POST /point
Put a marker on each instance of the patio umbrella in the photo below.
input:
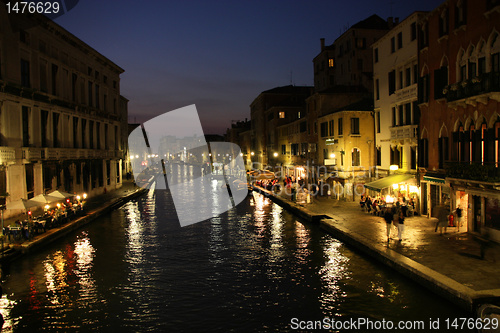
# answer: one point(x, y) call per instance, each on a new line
point(22, 204)
point(261, 174)
point(44, 199)
point(61, 194)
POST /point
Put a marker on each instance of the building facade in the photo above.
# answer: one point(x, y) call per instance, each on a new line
point(460, 112)
point(61, 113)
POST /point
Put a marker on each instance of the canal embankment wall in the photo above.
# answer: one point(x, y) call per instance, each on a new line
point(459, 294)
point(17, 250)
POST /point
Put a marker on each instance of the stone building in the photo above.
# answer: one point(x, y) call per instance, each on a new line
point(61, 113)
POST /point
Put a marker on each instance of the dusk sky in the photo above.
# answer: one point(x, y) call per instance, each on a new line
point(218, 55)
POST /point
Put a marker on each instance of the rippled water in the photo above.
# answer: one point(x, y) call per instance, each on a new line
point(253, 268)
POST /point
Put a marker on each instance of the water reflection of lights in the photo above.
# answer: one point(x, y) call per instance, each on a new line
point(333, 271)
point(85, 256)
point(302, 239)
point(134, 232)
point(384, 289)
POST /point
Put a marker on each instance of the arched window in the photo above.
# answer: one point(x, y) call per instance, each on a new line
point(471, 140)
point(484, 142)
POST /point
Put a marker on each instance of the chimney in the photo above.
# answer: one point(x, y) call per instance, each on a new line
point(396, 20)
point(390, 22)
point(322, 40)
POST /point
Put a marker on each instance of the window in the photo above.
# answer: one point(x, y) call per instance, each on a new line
point(43, 76)
point(25, 73)
point(408, 77)
point(303, 148)
point(393, 116)
point(460, 13)
point(340, 126)
point(379, 156)
point(393, 45)
point(415, 73)
point(472, 69)
point(392, 82)
point(324, 129)
point(325, 153)
point(408, 114)
point(355, 126)
point(481, 66)
point(294, 149)
point(413, 158)
point(424, 36)
point(44, 127)
point(283, 149)
point(401, 80)
point(463, 73)
point(443, 23)
point(361, 43)
point(281, 114)
point(97, 105)
point(377, 121)
point(331, 63)
point(495, 62)
point(98, 134)
point(75, 132)
point(84, 130)
point(377, 90)
point(90, 94)
point(91, 134)
point(413, 32)
point(442, 151)
point(74, 79)
point(424, 89)
point(54, 79)
point(440, 81)
point(26, 112)
point(55, 130)
point(400, 115)
point(331, 127)
point(400, 40)
point(24, 37)
point(375, 55)
point(356, 157)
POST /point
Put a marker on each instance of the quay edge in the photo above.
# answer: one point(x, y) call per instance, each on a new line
point(457, 293)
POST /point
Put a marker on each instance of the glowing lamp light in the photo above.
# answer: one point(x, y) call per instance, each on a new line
point(389, 199)
point(413, 189)
point(85, 195)
point(275, 154)
point(78, 197)
point(332, 155)
point(210, 154)
point(402, 188)
point(47, 207)
point(132, 157)
point(395, 186)
point(58, 205)
point(394, 167)
point(252, 153)
point(241, 154)
point(29, 212)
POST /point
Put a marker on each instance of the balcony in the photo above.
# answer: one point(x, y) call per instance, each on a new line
point(487, 172)
point(479, 89)
point(7, 154)
point(404, 132)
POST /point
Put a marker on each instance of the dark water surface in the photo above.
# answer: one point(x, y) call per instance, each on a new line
point(251, 269)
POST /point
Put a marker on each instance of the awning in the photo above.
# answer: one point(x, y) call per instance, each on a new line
point(435, 179)
point(382, 183)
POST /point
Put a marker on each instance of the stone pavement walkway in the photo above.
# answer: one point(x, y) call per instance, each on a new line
point(449, 263)
point(454, 254)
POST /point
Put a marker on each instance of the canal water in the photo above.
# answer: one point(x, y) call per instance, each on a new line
point(252, 269)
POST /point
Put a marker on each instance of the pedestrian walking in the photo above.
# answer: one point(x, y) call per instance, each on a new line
point(401, 225)
point(442, 216)
point(458, 214)
point(388, 222)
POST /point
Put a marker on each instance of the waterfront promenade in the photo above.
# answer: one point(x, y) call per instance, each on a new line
point(94, 207)
point(449, 264)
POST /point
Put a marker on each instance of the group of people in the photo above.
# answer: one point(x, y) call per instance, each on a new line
point(378, 205)
point(394, 216)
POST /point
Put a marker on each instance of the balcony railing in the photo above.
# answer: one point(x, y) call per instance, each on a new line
point(7, 154)
point(482, 84)
point(487, 172)
point(404, 132)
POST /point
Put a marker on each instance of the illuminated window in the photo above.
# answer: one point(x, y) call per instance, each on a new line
point(331, 62)
point(282, 114)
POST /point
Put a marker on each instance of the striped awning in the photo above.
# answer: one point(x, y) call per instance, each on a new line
point(388, 181)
